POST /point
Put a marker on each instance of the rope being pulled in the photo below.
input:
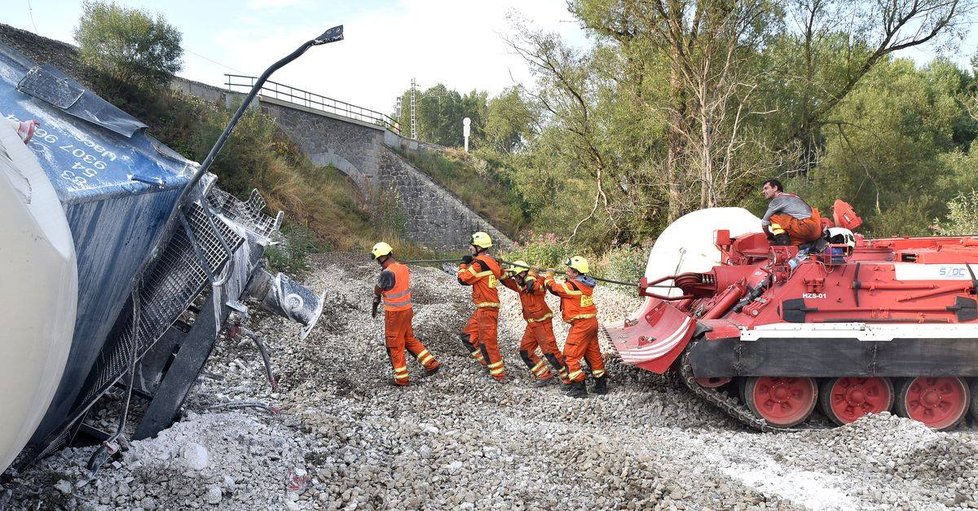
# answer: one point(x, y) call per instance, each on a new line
point(542, 270)
point(599, 279)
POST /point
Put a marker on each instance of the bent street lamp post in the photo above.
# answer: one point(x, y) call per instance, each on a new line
point(332, 35)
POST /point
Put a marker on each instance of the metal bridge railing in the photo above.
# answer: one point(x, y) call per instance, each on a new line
point(282, 92)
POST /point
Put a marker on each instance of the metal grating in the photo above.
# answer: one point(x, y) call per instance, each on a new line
point(49, 84)
point(250, 214)
point(169, 288)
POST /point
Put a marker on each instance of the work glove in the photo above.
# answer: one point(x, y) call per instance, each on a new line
point(373, 310)
point(467, 259)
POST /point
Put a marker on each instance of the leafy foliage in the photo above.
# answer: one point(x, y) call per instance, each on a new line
point(440, 112)
point(510, 121)
point(882, 152)
point(962, 217)
point(292, 257)
point(544, 250)
point(128, 44)
point(685, 104)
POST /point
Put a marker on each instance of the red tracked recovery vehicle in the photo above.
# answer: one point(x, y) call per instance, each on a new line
point(767, 334)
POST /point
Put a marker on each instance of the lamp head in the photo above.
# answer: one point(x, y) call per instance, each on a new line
point(332, 35)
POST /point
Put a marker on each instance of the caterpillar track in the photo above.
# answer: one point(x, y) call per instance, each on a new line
point(728, 404)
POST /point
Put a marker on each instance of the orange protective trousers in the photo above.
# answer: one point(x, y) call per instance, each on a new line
point(541, 334)
point(582, 343)
point(399, 334)
point(483, 331)
point(799, 230)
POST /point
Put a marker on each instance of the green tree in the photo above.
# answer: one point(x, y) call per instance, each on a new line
point(962, 217)
point(129, 45)
point(684, 104)
point(825, 60)
point(887, 146)
point(510, 121)
point(440, 112)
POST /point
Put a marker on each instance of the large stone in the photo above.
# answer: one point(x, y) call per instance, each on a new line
point(195, 456)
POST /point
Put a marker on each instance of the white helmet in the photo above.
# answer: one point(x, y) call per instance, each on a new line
point(841, 236)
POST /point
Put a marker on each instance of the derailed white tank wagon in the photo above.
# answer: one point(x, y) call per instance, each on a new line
point(165, 262)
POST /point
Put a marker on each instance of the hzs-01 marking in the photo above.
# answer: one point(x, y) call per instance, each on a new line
point(814, 295)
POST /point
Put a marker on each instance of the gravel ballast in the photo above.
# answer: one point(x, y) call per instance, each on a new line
point(337, 435)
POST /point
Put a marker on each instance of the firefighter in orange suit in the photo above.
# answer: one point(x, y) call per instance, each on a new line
point(578, 309)
point(539, 331)
point(789, 220)
point(483, 273)
point(394, 288)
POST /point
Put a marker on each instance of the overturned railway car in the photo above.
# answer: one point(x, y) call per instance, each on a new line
point(116, 272)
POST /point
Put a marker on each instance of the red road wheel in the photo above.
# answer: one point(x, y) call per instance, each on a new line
point(846, 399)
point(781, 401)
point(712, 383)
point(938, 402)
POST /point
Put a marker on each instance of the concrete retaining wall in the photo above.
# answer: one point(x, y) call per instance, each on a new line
point(434, 216)
point(430, 215)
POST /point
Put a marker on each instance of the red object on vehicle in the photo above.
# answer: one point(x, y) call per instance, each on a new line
point(850, 323)
point(845, 216)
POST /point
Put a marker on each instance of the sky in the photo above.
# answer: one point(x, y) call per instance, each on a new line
point(386, 43)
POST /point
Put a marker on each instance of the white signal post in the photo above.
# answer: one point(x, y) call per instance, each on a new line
point(465, 131)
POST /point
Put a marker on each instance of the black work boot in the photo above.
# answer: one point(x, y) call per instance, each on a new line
point(538, 383)
point(601, 385)
point(781, 240)
point(577, 389)
point(465, 342)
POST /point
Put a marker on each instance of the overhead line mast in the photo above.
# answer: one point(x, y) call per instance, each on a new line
point(414, 109)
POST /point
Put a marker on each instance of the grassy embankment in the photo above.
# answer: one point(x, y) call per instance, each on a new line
point(323, 209)
point(475, 183)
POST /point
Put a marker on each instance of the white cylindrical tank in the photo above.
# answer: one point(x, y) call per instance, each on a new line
point(688, 244)
point(38, 293)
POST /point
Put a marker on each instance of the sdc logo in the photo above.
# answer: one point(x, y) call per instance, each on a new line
point(586, 301)
point(953, 272)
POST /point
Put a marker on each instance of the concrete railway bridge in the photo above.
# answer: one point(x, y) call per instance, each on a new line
point(363, 144)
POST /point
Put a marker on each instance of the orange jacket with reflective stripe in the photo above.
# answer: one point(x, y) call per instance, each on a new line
point(398, 298)
point(532, 297)
point(575, 299)
point(483, 275)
